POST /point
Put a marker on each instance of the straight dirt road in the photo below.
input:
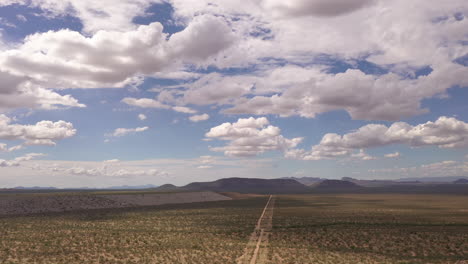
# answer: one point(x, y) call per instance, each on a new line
point(256, 251)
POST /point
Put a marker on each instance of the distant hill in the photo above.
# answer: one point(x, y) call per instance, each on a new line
point(34, 188)
point(166, 187)
point(378, 183)
point(448, 179)
point(461, 181)
point(248, 185)
point(336, 184)
point(305, 180)
point(128, 187)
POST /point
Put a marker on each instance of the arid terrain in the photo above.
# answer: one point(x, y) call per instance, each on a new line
point(300, 228)
point(370, 228)
point(62, 202)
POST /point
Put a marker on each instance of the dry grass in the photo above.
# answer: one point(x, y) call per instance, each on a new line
point(370, 229)
point(214, 232)
point(335, 229)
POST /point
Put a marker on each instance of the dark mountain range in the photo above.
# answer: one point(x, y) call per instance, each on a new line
point(446, 179)
point(288, 186)
point(128, 187)
point(461, 181)
point(306, 180)
point(246, 185)
point(167, 187)
point(378, 183)
point(336, 184)
point(34, 188)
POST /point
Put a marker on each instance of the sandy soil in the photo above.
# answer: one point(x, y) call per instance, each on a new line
point(256, 251)
point(31, 204)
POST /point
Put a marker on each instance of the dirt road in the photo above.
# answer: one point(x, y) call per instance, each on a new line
point(256, 251)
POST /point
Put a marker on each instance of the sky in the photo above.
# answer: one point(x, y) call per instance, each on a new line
point(131, 92)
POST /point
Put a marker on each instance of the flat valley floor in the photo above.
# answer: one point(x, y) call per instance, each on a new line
point(354, 228)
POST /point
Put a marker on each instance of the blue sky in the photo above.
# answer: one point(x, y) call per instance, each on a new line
point(139, 92)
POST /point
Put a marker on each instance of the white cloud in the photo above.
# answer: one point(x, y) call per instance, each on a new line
point(206, 159)
point(42, 133)
point(445, 132)
point(363, 96)
point(393, 155)
point(21, 18)
point(5, 148)
point(108, 15)
point(345, 31)
point(111, 161)
point(439, 165)
point(16, 161)
point(206, 162)
point(18, 92)
point(214, 88)
point(120, 132)
point(206, 35)
point(436, 169)
point(144, 103)
point(120, 173)
point(297, 8)
point(225, 34)
point(198, 118)
point(29, 156)
point(68, 59)
point(142, 117)
point(362, 155)
point(204, 167)
point(98, 174)
point(183, 109)
point(250, 137)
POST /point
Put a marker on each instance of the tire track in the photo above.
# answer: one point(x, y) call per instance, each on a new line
point(256, 251)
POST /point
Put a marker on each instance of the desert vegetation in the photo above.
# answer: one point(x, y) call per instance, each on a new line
point(31, 203)
point(371, 228)
point(326, 228)
point(210, 232)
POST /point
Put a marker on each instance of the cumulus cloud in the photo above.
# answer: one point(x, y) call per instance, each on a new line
point(445, 132)
point(18, 92)
point(392, 155)
point(215, 88)
point(42, 133)
point(142, 117)
point(363, 96)
point(207, 36)
point(225, 34)
point(362, 155)
point(120, 132)
point(438, 169)
point(144, 103)
point(206, 162)
point(4, 148)
point(17, 161)
point(250, 137)
point(297, 8)
point(120, 173)
point(107, 15)
point(68, 59)
point(198, 118)
point(111, 161)
point(204, 167)
point(387, 30)
point(183, 109)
